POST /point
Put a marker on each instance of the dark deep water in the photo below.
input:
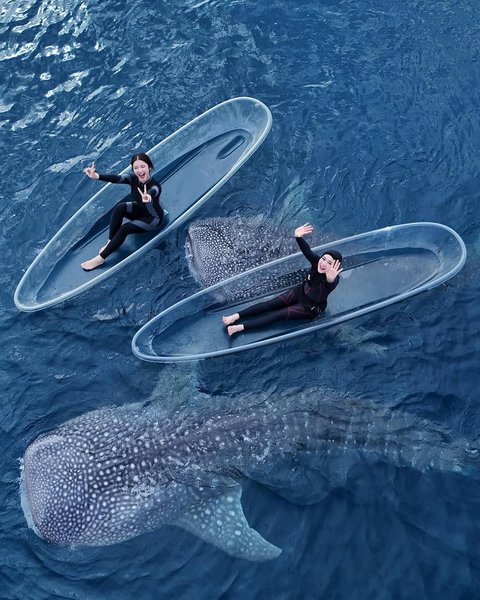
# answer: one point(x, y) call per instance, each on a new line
point(375, 123)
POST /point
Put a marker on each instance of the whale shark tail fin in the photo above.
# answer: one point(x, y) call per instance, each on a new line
point(220, 521)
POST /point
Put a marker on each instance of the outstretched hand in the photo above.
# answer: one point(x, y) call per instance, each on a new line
point(145, 196)
point(303, 230)
point(333, 271)
point(90, 172)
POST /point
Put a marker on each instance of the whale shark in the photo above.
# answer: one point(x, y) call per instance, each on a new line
point(220, 247)
point(115, 473)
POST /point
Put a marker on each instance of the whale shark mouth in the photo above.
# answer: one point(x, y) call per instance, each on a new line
point(25, 504)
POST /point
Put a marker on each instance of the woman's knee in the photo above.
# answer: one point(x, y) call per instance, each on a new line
point(120, 209)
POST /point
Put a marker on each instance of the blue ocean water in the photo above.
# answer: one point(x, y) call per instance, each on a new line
point(375, 123)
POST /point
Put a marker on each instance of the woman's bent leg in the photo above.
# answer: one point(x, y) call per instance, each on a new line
point(117, 234)
point(117, 240)
point(123, 209)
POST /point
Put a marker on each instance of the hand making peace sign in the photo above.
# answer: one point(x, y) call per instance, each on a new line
point(145, 196)
point(90, 172)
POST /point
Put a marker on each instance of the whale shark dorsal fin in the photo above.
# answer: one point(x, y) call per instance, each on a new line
point(220, 521)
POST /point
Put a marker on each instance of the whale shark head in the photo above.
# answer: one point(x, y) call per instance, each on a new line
point(221, 247)
point(49, 510)
point(114, 473)
point(84, 480)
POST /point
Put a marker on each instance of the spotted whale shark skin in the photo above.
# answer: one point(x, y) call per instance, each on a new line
point(221, 247)
point(115, 473)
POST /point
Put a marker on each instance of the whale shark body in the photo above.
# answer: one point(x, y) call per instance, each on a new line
point(221, 247)
point(115, 473)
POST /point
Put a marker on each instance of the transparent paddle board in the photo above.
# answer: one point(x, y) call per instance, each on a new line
point(191, 165)
point(380, 267)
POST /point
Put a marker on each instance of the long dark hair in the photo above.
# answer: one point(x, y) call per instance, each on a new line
point(142, 156)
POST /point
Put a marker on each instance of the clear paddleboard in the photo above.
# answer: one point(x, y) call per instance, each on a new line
point(191, 165)
point(380, 267)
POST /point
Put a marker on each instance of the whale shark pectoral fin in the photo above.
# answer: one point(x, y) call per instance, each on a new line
point(220, 521)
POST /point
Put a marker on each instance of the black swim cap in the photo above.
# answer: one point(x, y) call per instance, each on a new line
point(335, 254)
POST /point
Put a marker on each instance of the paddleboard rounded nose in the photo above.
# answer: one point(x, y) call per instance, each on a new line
point(21, 299)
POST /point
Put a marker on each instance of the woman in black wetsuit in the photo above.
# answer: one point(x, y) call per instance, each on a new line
point(304, 301)
point(144, 213)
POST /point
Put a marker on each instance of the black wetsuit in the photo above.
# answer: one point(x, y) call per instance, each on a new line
point(304, 301)
point(142, 216)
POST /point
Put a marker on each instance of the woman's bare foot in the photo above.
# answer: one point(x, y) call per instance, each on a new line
point(231, 319)
point(93, 263)
point(234, 329)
